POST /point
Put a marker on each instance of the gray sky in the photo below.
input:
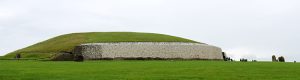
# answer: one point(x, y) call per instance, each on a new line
point(253, 29)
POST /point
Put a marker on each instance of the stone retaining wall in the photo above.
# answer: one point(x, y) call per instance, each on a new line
point(150, 49)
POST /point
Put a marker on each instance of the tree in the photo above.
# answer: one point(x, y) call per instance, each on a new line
point(224, 56)
point(274, 58)
point(281, 59)
point(244, 60)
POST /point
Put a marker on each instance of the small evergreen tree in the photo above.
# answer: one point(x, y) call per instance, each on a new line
point(224, 56)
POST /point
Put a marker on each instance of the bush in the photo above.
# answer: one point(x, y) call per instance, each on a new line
point(281, 59)
point(243, 60)
point(18, 56)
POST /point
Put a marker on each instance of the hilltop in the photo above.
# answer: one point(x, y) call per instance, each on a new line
point(67, 42)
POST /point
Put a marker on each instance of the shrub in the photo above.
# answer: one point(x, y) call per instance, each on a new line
point(281, 59)
point(243, 60)
point(18, 56)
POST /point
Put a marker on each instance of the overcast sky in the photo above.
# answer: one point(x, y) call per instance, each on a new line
point(253, 29)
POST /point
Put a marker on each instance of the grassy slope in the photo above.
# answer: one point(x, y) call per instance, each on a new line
point(148, 70)
point(67, 42)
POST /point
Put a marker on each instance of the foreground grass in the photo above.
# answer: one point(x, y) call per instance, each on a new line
point(147, 70)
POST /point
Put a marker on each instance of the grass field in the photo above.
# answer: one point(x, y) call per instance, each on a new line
point(67, 42)
point(147, 70)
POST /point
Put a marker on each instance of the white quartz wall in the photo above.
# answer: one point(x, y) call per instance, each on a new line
point(151, 49)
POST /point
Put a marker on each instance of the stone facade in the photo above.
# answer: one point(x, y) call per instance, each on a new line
point(149, 50)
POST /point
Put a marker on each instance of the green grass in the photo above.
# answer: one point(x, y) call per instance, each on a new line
point(147, 70)
point(67, 42)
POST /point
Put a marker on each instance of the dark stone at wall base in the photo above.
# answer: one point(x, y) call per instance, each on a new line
point(152, 58)
point(63, 56)
point(79, 58)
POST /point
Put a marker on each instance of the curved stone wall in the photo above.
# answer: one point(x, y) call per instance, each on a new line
point(150, 49)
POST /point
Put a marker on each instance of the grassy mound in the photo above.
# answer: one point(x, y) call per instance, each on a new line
point(67, 42)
